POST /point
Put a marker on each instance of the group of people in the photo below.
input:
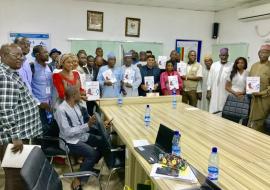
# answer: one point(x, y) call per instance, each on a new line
point(32, 93)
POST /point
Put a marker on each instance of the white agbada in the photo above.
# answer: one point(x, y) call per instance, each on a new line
point(216, 83)
point(202, 87)
point(136, 80)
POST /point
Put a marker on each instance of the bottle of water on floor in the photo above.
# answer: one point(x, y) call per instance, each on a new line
point(176, 149)
point(174, 102)
point(147, 116)
point(213, 169)
point(120, 100)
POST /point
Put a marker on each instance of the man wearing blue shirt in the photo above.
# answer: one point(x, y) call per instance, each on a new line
point(25, 71)
point(110, 85)
point(42, 84)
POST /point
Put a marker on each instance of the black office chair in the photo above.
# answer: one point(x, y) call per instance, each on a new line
point(236, 109)
point(114, 156)
point(39, 174)
point(267, 125)
point(51, 145)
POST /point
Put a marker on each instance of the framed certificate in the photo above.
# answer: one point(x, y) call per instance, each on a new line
point(95, 21)
point(133, 27)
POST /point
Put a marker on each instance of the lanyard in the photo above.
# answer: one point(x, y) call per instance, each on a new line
point(77, 116)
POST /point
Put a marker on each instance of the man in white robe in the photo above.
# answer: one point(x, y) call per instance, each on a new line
point(132, 77)
point(216, 91)
point(202, 87)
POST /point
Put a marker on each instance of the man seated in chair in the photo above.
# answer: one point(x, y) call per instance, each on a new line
point(77, 128)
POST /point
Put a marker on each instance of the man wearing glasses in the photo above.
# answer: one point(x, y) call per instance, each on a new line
point(25, 70)
point(19, 114)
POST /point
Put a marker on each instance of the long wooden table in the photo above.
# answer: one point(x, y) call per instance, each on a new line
point(243, 152)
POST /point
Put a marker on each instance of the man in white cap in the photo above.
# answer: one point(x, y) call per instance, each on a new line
point(132, 76)
point(202, 88)
point(218, 74)
point(110, 78)
point(260, 103)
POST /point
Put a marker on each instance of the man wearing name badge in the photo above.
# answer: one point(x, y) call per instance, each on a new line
point(132, 76)
point(202, 87)
point(217, 78)
point(82, 57)
point(54, 55)
point(42, 85)
point(260, 103)
point(110, 78)
point(19, 114)
point(25, 70)
point(191, 79)
point(80, 132)
point(149, 70)
point(91, 67)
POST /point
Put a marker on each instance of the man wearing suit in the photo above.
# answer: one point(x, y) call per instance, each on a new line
point(149, 70)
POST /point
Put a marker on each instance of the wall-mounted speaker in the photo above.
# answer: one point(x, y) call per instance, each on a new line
point(215, 30)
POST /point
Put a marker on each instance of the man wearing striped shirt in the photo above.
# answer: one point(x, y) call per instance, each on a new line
point(19, 114)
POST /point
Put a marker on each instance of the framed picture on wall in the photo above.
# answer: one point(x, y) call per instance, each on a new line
point(133, 27)
point(95, 21)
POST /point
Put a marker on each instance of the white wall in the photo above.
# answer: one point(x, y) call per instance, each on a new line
point(65, 19)
point(234, 31)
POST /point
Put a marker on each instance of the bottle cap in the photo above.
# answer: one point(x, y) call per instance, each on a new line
point(214, 149)
point(177, 133)
point(148, 106)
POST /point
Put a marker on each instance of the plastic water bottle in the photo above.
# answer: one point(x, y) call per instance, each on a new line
point(120, 100)
point(176, 150)
point(147, 116)
point(213, 170)
point(174, 102)
point(49, 117)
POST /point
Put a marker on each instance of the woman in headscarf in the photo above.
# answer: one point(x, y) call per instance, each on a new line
point(67, 77)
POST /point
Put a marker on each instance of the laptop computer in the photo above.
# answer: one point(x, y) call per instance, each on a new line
point(162, 145)
point(205, 183)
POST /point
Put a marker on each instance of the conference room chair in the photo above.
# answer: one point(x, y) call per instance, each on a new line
point(236, 109)
point(51, 148)
point(39, 174)
point(114, 157)
point(267, 125)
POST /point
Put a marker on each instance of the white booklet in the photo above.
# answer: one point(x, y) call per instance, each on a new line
point(186, 175)
point(141, 142)
point(149, 82)
point(129, 76)
point(252, 85)
point(108, 75)
point(16, 160)
point(162, 61)
point(92, 90)
point(173, 82)
point(182, 68)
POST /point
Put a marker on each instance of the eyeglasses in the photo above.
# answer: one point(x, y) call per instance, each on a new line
point(17, 56)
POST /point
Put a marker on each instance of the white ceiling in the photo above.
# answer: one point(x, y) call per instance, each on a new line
point(202, 5)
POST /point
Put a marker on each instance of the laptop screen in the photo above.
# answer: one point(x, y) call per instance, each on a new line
point(164, 138)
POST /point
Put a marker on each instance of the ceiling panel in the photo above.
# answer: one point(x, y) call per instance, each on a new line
point(201, 5)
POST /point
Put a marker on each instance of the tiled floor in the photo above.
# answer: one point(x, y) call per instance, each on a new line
point(116, 183)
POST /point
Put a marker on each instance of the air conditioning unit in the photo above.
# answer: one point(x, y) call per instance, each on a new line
point(254, 13)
